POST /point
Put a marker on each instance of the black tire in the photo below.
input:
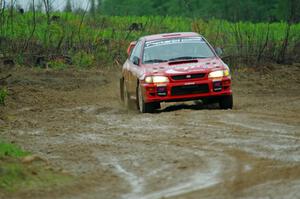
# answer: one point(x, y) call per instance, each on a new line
point(156, 105)
point(226, 102)
point(142, 106)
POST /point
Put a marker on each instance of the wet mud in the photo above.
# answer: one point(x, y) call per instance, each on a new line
point(76, 121)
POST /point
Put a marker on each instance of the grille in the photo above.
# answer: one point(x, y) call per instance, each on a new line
point(190, 89)
point(185, 77)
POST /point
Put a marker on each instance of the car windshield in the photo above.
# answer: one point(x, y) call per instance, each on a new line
point(176, 49)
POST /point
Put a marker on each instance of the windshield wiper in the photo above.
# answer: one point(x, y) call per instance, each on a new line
point(155, 61)
point(185, 58)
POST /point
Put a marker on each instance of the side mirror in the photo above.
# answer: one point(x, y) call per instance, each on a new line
point(136, 61)
point(130, 48)
point(219, 51)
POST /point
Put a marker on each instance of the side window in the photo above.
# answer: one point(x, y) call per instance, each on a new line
point(136, 52)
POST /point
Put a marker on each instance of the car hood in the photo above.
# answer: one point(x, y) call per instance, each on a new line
point(183, 67)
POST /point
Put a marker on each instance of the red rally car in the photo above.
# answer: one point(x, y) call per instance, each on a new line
point(174, 67)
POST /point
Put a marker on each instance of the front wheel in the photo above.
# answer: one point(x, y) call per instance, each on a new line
point(145, 107)
point(122, 90)
point(128, 103)
point(226, 102)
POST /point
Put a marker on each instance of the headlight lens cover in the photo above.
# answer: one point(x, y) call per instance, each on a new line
point(219, 73)
point(156, 79)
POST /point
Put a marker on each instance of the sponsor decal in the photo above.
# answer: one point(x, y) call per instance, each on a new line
point(189, 83)
point(163, 42)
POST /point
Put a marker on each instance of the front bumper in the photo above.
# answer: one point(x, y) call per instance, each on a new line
point(185, 91)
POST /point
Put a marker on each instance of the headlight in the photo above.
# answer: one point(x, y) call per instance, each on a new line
point(219, 73)
point(156, 79)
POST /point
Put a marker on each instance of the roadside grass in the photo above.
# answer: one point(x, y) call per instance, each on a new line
point(10, 150)
point(103, 40)
point(17, 176)
point(3, 95)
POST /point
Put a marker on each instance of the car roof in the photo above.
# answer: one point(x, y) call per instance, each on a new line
point(170, 35)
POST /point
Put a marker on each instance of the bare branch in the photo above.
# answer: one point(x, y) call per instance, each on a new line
point(6, 77)
point(47, 6)
point(34, 25)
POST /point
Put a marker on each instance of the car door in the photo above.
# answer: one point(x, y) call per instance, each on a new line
point(134, 69)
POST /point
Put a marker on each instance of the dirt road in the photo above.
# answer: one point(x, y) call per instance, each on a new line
point(75, 120)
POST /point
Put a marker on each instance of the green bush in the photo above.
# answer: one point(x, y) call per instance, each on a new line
point(57, 64)
point(7, 149)
point(3, 95)
point(83, 60)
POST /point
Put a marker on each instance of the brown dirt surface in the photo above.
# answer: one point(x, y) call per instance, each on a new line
point(75, 121)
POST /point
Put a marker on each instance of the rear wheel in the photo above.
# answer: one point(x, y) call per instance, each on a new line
point(145, 107)
point(226, 102)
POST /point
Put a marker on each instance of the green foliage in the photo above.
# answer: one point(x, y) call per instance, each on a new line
point(10, 150)
point(104, 39)
point(57, 64)
point(99, 6)
point(92, 7)
point(3, 95)
point(16, 176)
point(10, 174)
point(83, 60)
point(233, 10)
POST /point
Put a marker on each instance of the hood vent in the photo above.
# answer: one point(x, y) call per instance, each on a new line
point(183, 62)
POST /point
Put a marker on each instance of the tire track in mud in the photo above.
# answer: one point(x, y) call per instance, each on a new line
point(167, 154)
point(264, 138)
point(202, 181)
point(142, 137)
point(195, 180)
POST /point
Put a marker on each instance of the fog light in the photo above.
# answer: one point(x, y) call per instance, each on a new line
point(217, 86)
point(162, 91)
